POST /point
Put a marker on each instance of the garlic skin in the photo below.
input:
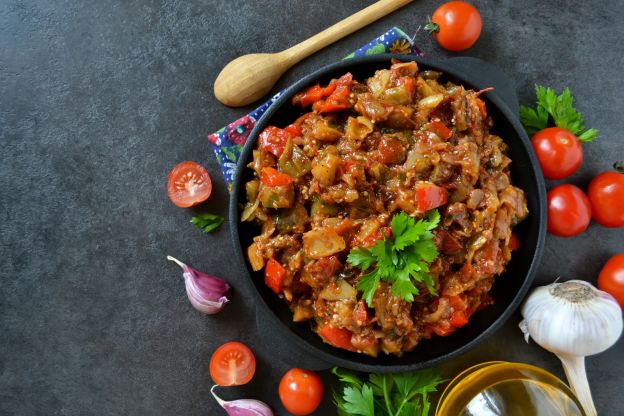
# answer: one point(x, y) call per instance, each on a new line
point(573, 319)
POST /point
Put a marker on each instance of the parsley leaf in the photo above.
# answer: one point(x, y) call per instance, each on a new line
point(555, 109)
point(403, 394)
point(359, 401)
point(207, 222)
point(400, 260)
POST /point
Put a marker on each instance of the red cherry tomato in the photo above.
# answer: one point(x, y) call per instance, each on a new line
point(569, 211)
point(606, 194)
point(188, 184)
point(301, 391)
point(456, 25)
point(611, 278)
point(558, 151)
point(232, 364)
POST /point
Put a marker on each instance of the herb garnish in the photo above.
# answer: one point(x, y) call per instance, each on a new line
point(558, 110)
point(207, 222)
point(385, 394)
point(398, 259)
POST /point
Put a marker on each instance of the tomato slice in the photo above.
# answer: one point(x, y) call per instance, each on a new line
point(273, 140)
point(430, 196)
point(188, 184)
point(272, 177)
point(301, 391)
point(232, 364)
point(274, 275)
point(338, 337)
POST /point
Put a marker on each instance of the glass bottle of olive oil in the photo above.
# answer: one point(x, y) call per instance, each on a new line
point(507, 389)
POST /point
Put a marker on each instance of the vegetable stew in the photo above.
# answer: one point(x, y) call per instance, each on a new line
point(400, 141)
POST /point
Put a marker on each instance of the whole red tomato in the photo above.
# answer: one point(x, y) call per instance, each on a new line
point(301, 391)
point(558, 151)
point(569, 211)
point(611, 278)
point(606, 194)
point(456, 25)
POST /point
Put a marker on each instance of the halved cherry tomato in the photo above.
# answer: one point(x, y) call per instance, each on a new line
point(456, 25)
point(440, 129)
point(611, 278)
point(313, 94)
point(301, 391)
point(273, 140)
point(188, 184)
point(232, 364)
point(429, 196)
point(558, 152)
point(272, 177)
point(339, 99)
point(274, 275)
point(569, 211)
point(338, 337)
point(606, 194)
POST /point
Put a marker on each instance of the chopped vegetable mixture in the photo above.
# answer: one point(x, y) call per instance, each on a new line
point(402, 141)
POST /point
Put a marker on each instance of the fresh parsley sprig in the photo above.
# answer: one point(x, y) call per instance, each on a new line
point(556, 109)
point(399, 260)
point(207, 222)
point(385, 394)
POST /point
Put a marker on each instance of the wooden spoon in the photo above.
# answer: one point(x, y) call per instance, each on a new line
point(249, 77)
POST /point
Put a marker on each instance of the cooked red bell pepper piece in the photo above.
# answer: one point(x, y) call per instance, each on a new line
point(339, 99)
point(313, 94)
point(274, 275)
point(272, 177)
point(458, 319)
point(440, 129)
point(294, 130)
point(429, 196)
point(273, 140)
point(410, 85)
point(338, 337)
point(514, 242)
point(482, 108)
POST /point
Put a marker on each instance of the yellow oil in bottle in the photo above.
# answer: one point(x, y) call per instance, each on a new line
point(507, 389)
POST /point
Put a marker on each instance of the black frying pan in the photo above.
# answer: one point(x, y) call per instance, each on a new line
point(296, 343)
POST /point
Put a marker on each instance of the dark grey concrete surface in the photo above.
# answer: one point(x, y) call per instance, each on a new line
point(99, 99)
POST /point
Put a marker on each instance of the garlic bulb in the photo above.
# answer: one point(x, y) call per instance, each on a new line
point(573, 320)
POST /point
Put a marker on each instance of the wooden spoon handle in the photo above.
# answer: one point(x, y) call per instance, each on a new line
point(341, 29)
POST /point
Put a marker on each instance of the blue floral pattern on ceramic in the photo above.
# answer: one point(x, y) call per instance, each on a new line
point(228, 141)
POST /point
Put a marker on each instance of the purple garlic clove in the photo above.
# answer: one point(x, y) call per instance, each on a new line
point(243, 407)
point(207, 294)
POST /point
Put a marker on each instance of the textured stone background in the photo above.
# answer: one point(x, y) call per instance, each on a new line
point(99, 99)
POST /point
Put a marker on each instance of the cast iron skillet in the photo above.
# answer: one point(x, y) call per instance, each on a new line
point(296, 343)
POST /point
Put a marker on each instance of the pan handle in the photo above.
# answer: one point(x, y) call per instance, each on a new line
point(484, 75)
point(272, 336)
